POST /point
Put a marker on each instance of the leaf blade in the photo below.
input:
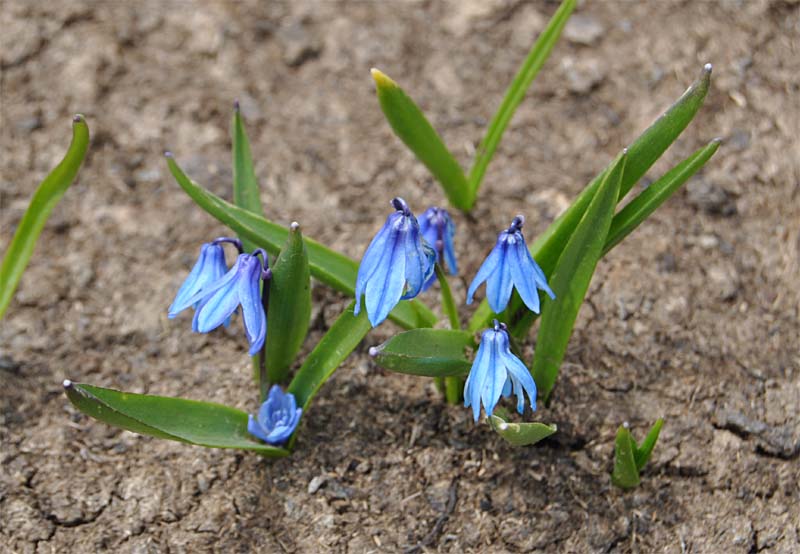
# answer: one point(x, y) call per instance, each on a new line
point(625, 475)
point(521, 434)
point(516, 93)
point(571, 278)
point(188, 421)
point(246, 192)
point(426, 352)
point(641, 454)
point(44, 199)
point(413, 128)
point(330, 267)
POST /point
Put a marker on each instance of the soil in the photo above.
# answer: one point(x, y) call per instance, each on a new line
point(694, 317)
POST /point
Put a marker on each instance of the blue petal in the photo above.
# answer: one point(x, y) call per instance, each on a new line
point(372, 256)
point(279, 434)
point(541, 278)
point(495, 377)
point(209, 267)
point(255, 429)
point(449, 248)
point(385, 286)
point(477, 374)
point(499, 284)
point(415, 261)
point(487, 269)
point(221, 302)
point(507, 388)
point(523, 275)
point(522, 377)
point(255, 321)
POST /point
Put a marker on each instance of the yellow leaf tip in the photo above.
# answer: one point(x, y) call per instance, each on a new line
point(382, 80)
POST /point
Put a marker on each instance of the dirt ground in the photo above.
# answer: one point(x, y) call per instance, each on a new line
point(694, 317)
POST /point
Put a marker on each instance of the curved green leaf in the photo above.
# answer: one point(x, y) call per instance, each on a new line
point(246, 193)
point(289, 310)
point(516, 93)
point(625, 474)
point(521, 434)
point(189, 421)
point(412, 127)
point(332, 268)
point(341, 339)
point(642, 453)
point(44, 200)
point(427, 352)
point(571, 278)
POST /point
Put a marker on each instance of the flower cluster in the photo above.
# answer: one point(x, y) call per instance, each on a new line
point(277, 418)
point(215, 292)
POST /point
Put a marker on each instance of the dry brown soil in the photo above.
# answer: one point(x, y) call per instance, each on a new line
point(694, 317)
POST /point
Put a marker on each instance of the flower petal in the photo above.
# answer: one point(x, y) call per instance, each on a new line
point(372, 256)
point(496, 376)
point(523, 380)
point(249, 292)
point(255, 429)
point(488, 267)
point(385, 286)
point(415, 261)
point(523, 275)
point(209, 267)
point(499, 284)
point(217, 307)
point(477, 375)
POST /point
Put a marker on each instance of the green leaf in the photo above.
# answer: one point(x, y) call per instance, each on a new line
point(642, 453)
point(571, 278)
point(428, 352)
point(246, 193)
point(625, 474)
point(188, 421)
point(289, 309)
point(521, 434)
point(640, 208)
point(410, 124)
point(44, 200)
point(341, 339)
point(516, 93)
point(332, 268)
point(642, 154)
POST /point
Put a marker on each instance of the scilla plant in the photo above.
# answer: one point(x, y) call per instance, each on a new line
point(546, 277)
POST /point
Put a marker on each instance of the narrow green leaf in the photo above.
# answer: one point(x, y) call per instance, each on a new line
point(332, 268)
point(571, 278)
point(642, 453)
point(428, 352)
point(289, 309)
point(516, 93)
point(44, 200)
point(189, 421)
point(341, 339)
point(246, 193)
point(412, 127)
point(625, 475)
point(642, 154)
point(640, 208)
point(521, 434)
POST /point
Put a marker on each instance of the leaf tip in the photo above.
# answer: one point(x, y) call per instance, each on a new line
point(382, 80)
point(78, 118)
point(67, 384)
point(707, 69)
point(168, 154)
point(374, 351)
point(236, 106)
point(295, 226)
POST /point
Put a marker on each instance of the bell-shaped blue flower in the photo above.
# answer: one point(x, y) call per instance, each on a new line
point(239, 286)
point(395, 265)
point(209, 267)
point(277, 418)
point(510, 265)
point(438, 230)
point(495, 372)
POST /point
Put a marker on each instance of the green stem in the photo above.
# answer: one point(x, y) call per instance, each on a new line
point(452, 385)
point(263, 378)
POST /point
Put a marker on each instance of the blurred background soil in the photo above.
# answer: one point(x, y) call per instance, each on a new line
point(694, 317)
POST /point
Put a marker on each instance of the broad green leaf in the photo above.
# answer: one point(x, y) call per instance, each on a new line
point(642, 154)
point(521, 434)
point(625, 474)
point(246, 193)
point(640, 208)
point(289, 309)
point(332, 268)
point(178, 419)
point(428, 352)
point(642, 453)
point(516, 93)
point(412, 127)
point(341, 339)
point(44, 200)
point(571, 278)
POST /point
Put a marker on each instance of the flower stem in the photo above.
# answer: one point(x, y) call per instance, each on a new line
point(452, 385)
point(263, 379)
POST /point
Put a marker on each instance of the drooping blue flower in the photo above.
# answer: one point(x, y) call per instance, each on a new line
point(495, 372)
point(510, 265)
point(239, 286)
point(395, 265)
point(438, 230)
point(209, 267)
point(277, 418)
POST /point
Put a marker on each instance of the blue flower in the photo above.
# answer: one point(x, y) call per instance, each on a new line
point(438, 230)
point(497, 371)
point(395, 266)
point(510, 265)
point(209, 267)
point(240, 285)
point(277, 418)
